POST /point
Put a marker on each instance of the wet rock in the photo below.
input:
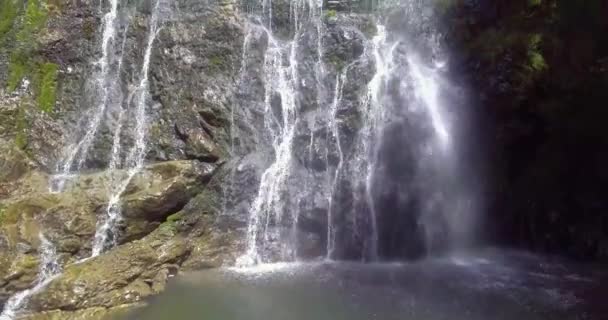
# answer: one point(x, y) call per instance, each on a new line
point(124, 275)
point(69, 219)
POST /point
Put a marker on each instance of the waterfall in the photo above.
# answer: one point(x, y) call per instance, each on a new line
point(281, 80)
point(105, 234)
point(133, 109)
point(267, 204)
point(389, 186)
point(48, 269)
point(105, 85)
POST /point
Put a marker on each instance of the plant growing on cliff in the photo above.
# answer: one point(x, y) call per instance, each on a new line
point(47, 87)
point(23, 61)
point(2, 212)
point(21, 125)
point(8, 14)
point(17, 70)
point(33, 20)
point(331, 13)
point(536, 61)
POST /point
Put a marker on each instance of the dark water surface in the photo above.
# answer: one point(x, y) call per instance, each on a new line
point(489, 285)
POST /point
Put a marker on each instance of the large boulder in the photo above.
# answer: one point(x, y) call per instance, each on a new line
point(68, 219)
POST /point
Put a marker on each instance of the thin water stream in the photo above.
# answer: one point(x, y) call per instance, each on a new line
point(105, 235)
point(48, 269)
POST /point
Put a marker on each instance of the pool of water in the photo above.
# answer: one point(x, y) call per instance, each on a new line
point(491, 284)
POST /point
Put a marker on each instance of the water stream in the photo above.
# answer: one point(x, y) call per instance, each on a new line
point(106, 90)
point(105, 235)
point(402, 158)
point(48, 269)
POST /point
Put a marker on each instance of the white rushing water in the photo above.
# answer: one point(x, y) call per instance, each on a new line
point(374, 118)
point(48, 269)
point(267, 206)
point(401, 106)
point(281, 80)
point(105, 235)
point(105, 83)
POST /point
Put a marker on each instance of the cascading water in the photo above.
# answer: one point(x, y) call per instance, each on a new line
point(48, 269)
point(281, 80)
point(267, 205)
point(380, 159)
point(108, 90)
point(105, 235)
point(105, 87)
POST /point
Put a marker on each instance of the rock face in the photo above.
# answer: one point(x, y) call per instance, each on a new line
point(208, 144)
point(537, 76)
point(205, 115)
point(69, 219)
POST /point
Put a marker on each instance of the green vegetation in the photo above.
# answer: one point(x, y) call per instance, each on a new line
point(34, 19)
point(88, 28)
point(17, 70)
point(216, 61)
point(21, 125)
point(24, 21)
point(331, 14)
point(338, 63)
point(47, 87)
point(2, 212)
point(171, 223)
point(174, 217)
point(536, 61)
point(8, 14)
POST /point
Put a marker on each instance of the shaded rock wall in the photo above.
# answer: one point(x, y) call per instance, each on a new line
point(538, 74)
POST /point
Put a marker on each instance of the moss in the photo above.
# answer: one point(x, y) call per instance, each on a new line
point(8, 14)
point(88, 29)
point(21, 126)
point(536, 61)
point(338, 63)
point(34, 19)
point(331, 14)
point(47, 89)
point(27, 262)
point(17, 70)
point(175, 217)
point(171, 222)
point(2, 213)
point(217, 62)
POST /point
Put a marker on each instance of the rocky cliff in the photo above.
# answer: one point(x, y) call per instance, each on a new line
point(537, 74)
point(202, 137)
point(213, 128)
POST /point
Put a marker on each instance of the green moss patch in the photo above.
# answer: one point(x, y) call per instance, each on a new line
point(8, 15)
point(47, 89)
point(26, 20)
